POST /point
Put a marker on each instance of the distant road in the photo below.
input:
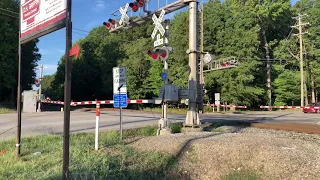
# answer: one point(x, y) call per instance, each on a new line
point(52, 122)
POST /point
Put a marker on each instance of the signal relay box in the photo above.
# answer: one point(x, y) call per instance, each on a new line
point(169, 93)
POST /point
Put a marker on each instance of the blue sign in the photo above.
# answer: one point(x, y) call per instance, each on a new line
point(164, 76)
point(120, 100)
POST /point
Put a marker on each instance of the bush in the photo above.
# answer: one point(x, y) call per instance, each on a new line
point(175, 127)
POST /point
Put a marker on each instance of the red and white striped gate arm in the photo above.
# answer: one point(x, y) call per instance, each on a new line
point(137, 101)
point(281, 107)
point(52, 102)
point(222, 105)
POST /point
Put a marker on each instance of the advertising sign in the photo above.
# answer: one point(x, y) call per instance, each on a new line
point(41, 17)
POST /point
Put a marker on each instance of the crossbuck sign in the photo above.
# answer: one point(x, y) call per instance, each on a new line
point(158, 27)
point(124, 16)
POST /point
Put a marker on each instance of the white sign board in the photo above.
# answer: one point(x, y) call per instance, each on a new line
point(124, 16)
point(38, 16)
point(217, 98)
point(119, 79)
point(158, 27)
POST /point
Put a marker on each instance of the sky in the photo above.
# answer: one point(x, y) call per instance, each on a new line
point(86, 15)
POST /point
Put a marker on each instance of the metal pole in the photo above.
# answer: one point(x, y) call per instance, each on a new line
point(166, 81)
point(301, 61)
point(96, 147)
point(201, 78)
point(192, 117)
point(18, 140)
point(120, 116)
point(39, 104)
point(67, 94)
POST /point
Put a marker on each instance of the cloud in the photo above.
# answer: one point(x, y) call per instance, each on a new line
point(48, 69)
point(100, 5)
point(51, 51)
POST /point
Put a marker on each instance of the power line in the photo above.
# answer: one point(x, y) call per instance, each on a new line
point(9, 11)
point(10, 15)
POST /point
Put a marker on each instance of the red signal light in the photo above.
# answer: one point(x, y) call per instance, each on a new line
point(112, 21)
point(153, 55)
point(107, 25)
point(163, 55)
point(140, 3)
point(134, 6)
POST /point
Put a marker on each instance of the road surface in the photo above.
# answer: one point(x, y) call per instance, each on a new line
point(52, 122)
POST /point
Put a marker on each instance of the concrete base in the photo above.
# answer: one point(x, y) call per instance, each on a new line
point(164, 132)
point(191, 129)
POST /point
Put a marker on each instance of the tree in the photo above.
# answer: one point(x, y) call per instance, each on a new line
point(232, 31)
point(9, 28)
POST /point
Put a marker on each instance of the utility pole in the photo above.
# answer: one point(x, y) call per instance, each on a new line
point(41, 78)
point(18, 139)
point(192, 118)
point(67, 94)
point(299, 27)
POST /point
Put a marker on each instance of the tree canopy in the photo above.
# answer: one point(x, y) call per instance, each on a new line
point(249, 30)
point(9, 31)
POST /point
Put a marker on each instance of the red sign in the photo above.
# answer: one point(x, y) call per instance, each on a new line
point(29, 10)
point(40, 17)
point(75, 51)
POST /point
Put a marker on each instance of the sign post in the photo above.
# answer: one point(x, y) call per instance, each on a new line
point(217, 101)
point(120, 91)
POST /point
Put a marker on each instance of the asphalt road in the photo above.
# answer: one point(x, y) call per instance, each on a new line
point(52, 122)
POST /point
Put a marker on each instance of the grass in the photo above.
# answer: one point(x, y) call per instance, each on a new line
point(6, 111)
point(113, 160)
point(170, 110)
point(174, 110)
point(241, 175)
point(175, 127)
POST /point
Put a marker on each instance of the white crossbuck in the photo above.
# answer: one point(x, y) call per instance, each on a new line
point(158, 26)
point(124, 16)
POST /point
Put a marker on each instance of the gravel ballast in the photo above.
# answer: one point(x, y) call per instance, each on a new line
point(270, 154)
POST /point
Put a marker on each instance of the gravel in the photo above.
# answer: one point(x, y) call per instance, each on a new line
point(270, 154)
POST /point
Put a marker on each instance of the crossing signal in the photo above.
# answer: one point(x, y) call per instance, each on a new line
point(135, 5)
point(154, 55)
point(107, 25)
point(110, 23)
point(37, 82)
point(161, 53)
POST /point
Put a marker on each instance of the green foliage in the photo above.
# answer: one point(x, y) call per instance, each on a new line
point(287, 88)
point(175, 127)
point(148, 131)
point(9, 28)
point(249, 30)
point(113, 160)
point(6, 111)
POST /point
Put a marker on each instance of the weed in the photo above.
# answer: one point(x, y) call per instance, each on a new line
point(113, 160)
point(217, 130)
point(175, 127)
point(6, 111)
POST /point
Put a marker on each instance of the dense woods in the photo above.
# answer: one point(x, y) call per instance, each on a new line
point(9, 34)
point(250, 30)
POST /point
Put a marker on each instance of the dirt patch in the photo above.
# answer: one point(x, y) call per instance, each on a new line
point(268, 154)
